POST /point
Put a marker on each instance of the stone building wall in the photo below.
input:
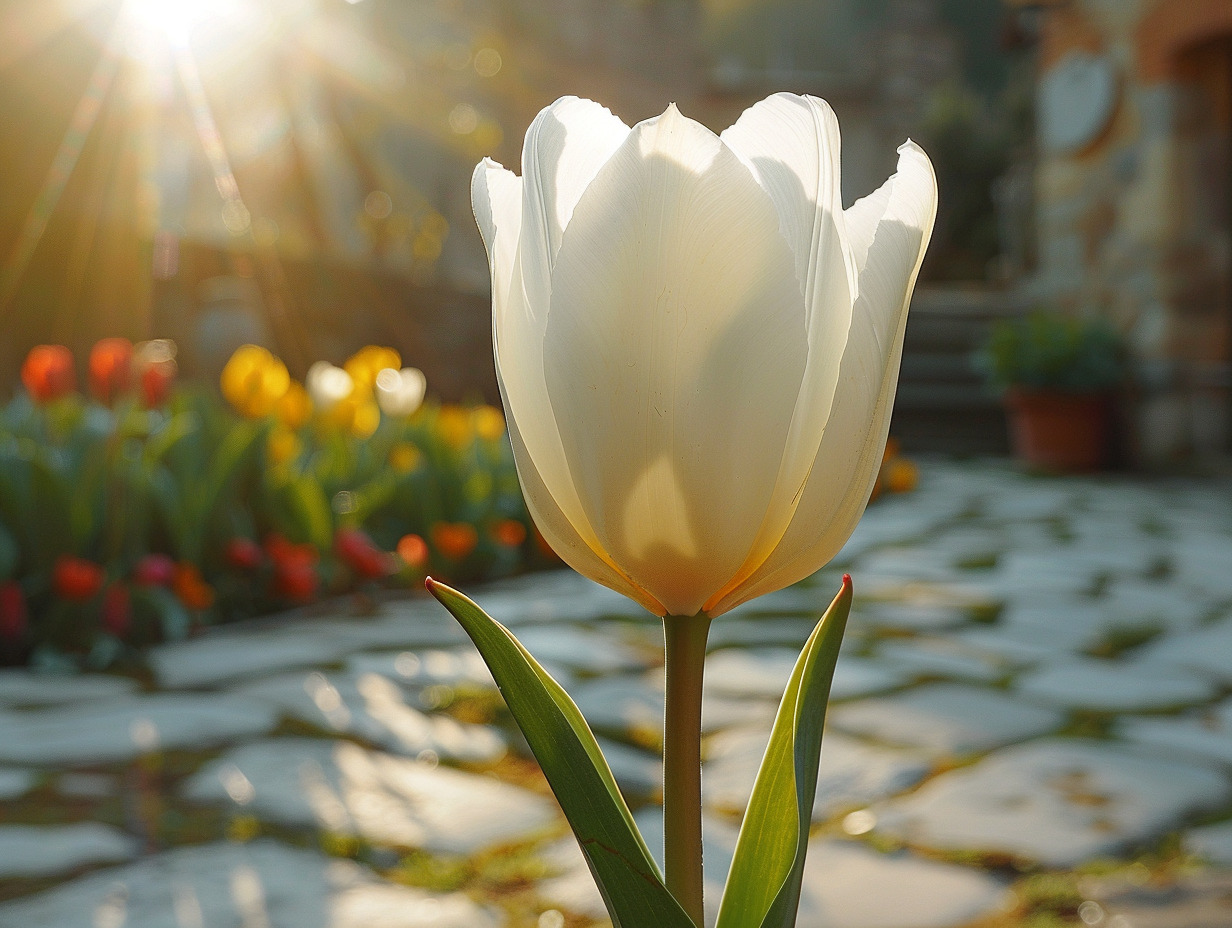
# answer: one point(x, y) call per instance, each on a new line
point(1134, 200)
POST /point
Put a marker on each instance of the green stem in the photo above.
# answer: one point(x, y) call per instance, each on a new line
point(685, 640)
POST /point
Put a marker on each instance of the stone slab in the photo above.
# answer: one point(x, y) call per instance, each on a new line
point(258, 884)
point(946, 718)
point(1207, 650)
point(945, 658)
point(1057, 802)
point(375, 708)
point(343, 788)
point(119, 730)
point(851, 773)
point(226, 656)
point(580, 649)
point(461, 668)
point(1114, 686)
point(47, 850)
point(847, 885)
point(1204, 733)
point(19, 687)
point(15, 783)
point(1187, 900)
point(1213, 843)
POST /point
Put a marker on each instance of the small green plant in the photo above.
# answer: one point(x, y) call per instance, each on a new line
point(1050, 351)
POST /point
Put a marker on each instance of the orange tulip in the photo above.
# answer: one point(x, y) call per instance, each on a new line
point(455, 540)
point(111, 361)
point(190, 588)
point(48, 373)
point(413, 550)
point(509, 532)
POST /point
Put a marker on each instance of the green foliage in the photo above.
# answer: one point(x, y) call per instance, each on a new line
point(118, 524)
point(763, 887)
point(1046, 350)
point(562, 742)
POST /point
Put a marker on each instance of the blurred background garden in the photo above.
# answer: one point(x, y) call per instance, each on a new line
point(246, 379)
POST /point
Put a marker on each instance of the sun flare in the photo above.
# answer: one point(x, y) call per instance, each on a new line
point(176, 19)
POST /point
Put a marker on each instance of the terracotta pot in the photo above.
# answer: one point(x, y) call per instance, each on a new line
point(1060, 432)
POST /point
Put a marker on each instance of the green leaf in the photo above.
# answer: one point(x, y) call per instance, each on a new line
point(763, 886)
point(628, 878)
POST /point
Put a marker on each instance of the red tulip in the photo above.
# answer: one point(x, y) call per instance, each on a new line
point(154, 364)
point(244, 554)
point(13, 615)
point(356, 550)
point(75, 578)
point(110, 366)
point(48, 372)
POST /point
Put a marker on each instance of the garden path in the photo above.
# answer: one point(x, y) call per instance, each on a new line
point(1033, 714)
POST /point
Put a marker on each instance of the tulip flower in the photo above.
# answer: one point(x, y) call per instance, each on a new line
point(75, 578)
point(47, 373)
point(110, 368)
point(400, 392)
point(14, 617)
point(154, 570)
point(698, 349)
point(368, 362)
point(155, 367)
point(253, 381)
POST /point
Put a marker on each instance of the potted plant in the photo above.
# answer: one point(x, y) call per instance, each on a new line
point(1057, 374)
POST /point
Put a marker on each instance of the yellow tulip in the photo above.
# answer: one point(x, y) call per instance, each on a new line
point(294, 408)
point(254, 380)
point(365, 364)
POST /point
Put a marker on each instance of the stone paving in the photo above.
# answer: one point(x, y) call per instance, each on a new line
point(1037, 682)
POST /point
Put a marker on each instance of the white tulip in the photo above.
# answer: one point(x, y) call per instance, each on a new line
point(400, 393)
point(327, 385)
point(697, 347)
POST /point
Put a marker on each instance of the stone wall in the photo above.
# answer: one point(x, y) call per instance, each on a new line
point(1132, 211)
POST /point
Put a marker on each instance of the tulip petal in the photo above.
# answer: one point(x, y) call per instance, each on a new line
point(673, 352)
point(890, 230)
point(496, 198)
point(567, 132)
point(791, 144)
point(566, 145)
point(564, 539)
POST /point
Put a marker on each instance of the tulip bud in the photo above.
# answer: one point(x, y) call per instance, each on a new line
point(47, 373)
point(155, 367)
point(355, 549)
point(253, 381)
point(110, 368)
point(696, 345)
point(455, 540)
point(328, 386)
point(154, 570)
point(14, 618)
point(400, 392)
point(244, 554)
point(75, 578)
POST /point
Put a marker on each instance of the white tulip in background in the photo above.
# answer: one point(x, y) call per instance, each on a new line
point(697, 347)
point(400, 393)
point(327, 385)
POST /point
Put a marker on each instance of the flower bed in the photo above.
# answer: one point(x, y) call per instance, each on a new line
point(143, 507)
